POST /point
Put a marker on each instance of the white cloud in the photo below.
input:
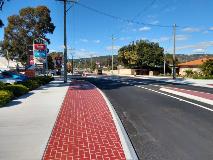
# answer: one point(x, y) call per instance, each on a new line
point(62, 46)
point(154, 22)
point(190, 29)
point(82, 50)
point(151, 16)
point(211, 28)
point(181, 37)
point(155, 40)
point(83, 53)
point(170, 9)
point(97, 41)
point(199, 50)
point(144, 38)
point(84, 40)
point(124, 38)
point(198, 46)
point(52, 50)
point(144, 29)
point(161, 39)
point(109, 48)
point(205, 32)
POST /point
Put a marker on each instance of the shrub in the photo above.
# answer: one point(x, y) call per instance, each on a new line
point(188, 72)
point(17, 89)
point(2, 85)
point(31, 84)
point(42, 80)
point(5, 97)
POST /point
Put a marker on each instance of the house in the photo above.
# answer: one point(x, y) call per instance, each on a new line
point(192, 65)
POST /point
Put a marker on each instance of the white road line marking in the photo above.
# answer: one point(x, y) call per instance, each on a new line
point(206, 108)
point(197, 98)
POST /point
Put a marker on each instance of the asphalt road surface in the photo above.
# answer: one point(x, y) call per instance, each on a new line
point(160, 127)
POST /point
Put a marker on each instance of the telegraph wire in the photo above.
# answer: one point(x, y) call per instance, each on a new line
point(120, 18)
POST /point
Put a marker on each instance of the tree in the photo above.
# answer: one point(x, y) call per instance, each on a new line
point(50, 62)
point(207, 67)
point(31, 23)
point(143, 54)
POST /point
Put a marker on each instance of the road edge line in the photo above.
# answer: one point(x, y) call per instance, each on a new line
point(127, 146)
point(200, 99)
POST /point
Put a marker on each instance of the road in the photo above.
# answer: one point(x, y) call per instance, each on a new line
point(159, 126)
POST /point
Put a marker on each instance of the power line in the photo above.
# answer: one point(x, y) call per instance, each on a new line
point(120, 18)
point(138, 14)
point(144, 9)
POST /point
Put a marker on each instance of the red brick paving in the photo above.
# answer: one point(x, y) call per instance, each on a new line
point(194, 93)
point(84, 128)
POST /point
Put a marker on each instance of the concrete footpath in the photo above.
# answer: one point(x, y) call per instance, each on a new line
point(27, 122)
point(62, 121)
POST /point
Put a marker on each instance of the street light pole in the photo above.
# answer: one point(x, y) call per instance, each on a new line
point(174, 49)
point(164, 63)
point(112, 53)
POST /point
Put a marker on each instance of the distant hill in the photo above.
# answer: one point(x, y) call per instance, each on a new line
point(190, 57)
point(107, 60)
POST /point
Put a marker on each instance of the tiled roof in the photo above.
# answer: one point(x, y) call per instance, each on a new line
point(196, 62)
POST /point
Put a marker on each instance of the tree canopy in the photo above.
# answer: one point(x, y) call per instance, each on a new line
point(207, 67)
point(29, 24)
point(142, 54)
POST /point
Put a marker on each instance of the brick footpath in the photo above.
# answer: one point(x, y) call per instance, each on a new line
point(84, 128)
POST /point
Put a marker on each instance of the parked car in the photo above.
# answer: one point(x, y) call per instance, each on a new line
point(14, 76)
point(9, 80)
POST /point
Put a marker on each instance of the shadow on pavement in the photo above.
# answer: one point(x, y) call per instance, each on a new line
point(17, 101)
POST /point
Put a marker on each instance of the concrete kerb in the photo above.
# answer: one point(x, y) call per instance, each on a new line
point(128, 148)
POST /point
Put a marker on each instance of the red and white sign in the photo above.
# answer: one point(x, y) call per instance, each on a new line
point(39, 47)
point(31, 59)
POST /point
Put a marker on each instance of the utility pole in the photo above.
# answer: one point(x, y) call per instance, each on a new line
point(91, 62)
point(65, 36)
point(112, 52)
point(164, 64)
point(174, 49)
point(65, 41)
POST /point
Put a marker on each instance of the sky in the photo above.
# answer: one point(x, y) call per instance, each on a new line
point(89, 32)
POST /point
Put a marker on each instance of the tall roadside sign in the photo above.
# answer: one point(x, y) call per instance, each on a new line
point(40, 52)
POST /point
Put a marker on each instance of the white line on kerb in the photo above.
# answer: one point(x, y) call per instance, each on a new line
point(129, 151)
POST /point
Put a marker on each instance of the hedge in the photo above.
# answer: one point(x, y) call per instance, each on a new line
point(5, 97)
point(31, 84)
point(8, 92)
point(2, 85)
point(17, 89)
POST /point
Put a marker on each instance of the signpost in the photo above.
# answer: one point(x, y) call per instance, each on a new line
point(40, 52)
